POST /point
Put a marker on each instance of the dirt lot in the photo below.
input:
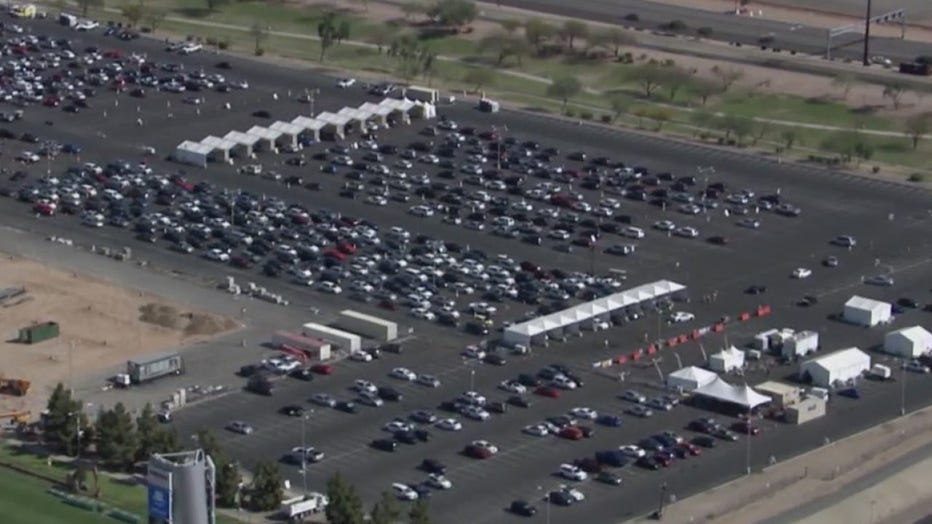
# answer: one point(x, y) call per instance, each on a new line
point(104, 324)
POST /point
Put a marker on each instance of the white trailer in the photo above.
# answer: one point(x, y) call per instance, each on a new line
point(368, 325)
point(801, 343)
point(297, 508)
point(423, 94)
point(348, 341)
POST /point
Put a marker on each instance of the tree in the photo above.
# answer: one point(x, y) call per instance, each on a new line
point(380, 36)
point(503, 46)
point(64, 421)
point(564, 88)
point(154, 17)
point(133, 12)
point(267, 491)
point(894, 91)
point(758, 131)
point(650, 77)
point(735, 125)
point(510, 25)
point(116, 437)
point(147, 431)
point(703, 119)
point(572, 30)
point(259, 34)
point(345, 507)
point(454, 13)
point(327, 31)
point(386, 510)
point(86, 5)
point(703, 88)
point(413, 57)
point(619, 104)
point(537, 32)
point(847, 144)
point(844, 81)
point(479, 77)
point(613, 40)
point(660, 116)
point(674, 78)
point(917, 126)
point(419, 512)
point(411, 9)
point(727, 76)
point(228, 482)
point(212, 5)
point(789, 138)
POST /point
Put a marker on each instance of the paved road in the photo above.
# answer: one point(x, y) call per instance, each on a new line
point(832, 203)
point(725, 27)
point(917, 10)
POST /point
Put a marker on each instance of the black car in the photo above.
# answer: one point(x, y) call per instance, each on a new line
point(528, 380)
point(302, 374)
point(262, 113)
point(474, 328)
point(523, 508)
point(495, 360)
point(345, 406)
point(648, 462)
point(496, 407)
point(392, 348)
point(607, 477)
point(755, 290)
point(650, 444)
point(384, 444)
point(390, 394)
point(433, 466)
point(248, 370)
point(907, 303)
point(405, 437)
point(560, 498)
point(704, 441)
point(292, 410)
point(519, 401)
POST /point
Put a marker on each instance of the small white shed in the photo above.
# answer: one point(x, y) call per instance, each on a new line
point(192, 153)
point(800, 344)
point(727, 360)
point(867, 312)
point(690, 378)
point(836, 367)
point(908, 342)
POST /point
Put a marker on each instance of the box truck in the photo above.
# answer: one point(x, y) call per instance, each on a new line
point(299, 507)
point(156, 366)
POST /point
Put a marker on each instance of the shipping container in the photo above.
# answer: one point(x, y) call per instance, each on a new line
point(311, 348)
point(368, 325)
point(38, 333)
point(154, 367)
point(348, 341)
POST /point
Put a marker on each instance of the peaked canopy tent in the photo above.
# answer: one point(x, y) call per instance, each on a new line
point(400, 109)
point(244, 142)
point(727, 360)
point(310, 126)
point(539, 329)
point(269, 138)
point(192, 153)
point(220, 148)
point(737, 395)
point(334, 123)
point(908, 342)
point(357, 117)
point(379, 113)
point(289, 131)
point(690, 378)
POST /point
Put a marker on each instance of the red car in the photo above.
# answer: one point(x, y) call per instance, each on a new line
point(663, 458)
point(546, 391)
point(571, 433)
point(322, 369)
point(347, 247)
point(477, 452)
point(44, 209)
point(333, 253)
point(742, 426)
point(588, 464)
point(689, 449)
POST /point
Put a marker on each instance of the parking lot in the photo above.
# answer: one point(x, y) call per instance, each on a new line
point(494, 211)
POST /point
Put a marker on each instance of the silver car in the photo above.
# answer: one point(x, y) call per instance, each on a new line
point(238, 426)
point(323, 399)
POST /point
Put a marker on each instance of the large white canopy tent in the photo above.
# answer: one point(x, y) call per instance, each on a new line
point(739, 395)
point(727, 360)
point(220, 147)
point(192, 153)
point(267, 137)
point(538, 329)
point(335, 123)
point(289, 131)
point(244, 141)
point(837, 367)
point(357, 117)
point(867, 312)
point(690, 378)
point(310, 126)
point(909, 342)
point(379, 112)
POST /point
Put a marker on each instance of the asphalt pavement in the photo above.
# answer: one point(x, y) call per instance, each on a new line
point(726, 27)
point(890, 221)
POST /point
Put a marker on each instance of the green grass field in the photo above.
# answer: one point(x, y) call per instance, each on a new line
point(24, 501)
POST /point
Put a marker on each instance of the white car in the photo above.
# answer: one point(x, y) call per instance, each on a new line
point(562, 382)
point(632, 451)
point(329, 287)
point(584, 413)
point(633, 232)
point(308, 454)
point(571, 472)
point(682, 316)
point(879, 280)
point(659, 403)
point(537, 430)
point(238, 426)
point(449, 424)
point(364, 386)
point(512, 386)
point(360, 356)
point(749, 223)
point(404, 492)
point(574, 493)
point(801, 273)
point(438, 481)
point(376, 200)
point(343, 83)
point(190, 48)
point(323, 399)
point(428, 380)
point(474, 352)
point(424, 313)
point(403, 374)
point(397, 425)
point(472, 397)
point(485, 444)
point(916, 367)
point(476, 413)
point(371, 400)
point(686, 232)
point(664, 225)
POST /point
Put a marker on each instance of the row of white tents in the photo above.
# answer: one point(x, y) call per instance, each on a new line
point(245, 144)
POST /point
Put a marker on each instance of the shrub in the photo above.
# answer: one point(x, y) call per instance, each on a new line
point(569, 112)
point(260, 51)
point(674, 25)
point(918, 177)
point(586, 115)
point(606, 119)
point(704, 32)
point(632, 17)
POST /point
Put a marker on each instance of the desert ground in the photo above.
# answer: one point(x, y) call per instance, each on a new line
point(101, 325)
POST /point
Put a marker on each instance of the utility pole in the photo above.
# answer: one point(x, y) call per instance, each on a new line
point(867, 34)
point(304, 451)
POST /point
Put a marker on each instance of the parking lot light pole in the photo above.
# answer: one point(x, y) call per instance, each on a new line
point(747, 436)
point(472, 379)
point(903, 392)
point(663, 496)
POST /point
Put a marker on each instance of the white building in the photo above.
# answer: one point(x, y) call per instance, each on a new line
point(690, 378)
point(908, 342)
point(867, 312)
point(800, 344)
point(836, 367)
point(727, 360)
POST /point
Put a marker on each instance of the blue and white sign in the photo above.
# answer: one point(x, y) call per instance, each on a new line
point(160, 503)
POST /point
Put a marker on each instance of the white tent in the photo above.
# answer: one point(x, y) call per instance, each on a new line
point(310, 126)
point(289, 132)
point(540, 328)
point(690, 378)
point(836, 367)
point(219, 145)
point(727, 360)
point(357, 117)
point(246, 142)
point(867, 312)
point(334, 122)
point(379, 113)
point(192, 153)
point(908, 342)
point(267, 137)
point(400, 109)
point(741, 395)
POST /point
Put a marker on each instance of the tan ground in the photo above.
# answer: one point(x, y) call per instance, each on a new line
point(761, 79)
point(100, 320)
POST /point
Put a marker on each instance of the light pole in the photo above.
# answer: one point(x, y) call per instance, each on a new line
point(663, 496)
point(747, 436)
point(472, 379)
point(311, 98)
point(903, 391)
point(540, 489)
point(304, 451)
